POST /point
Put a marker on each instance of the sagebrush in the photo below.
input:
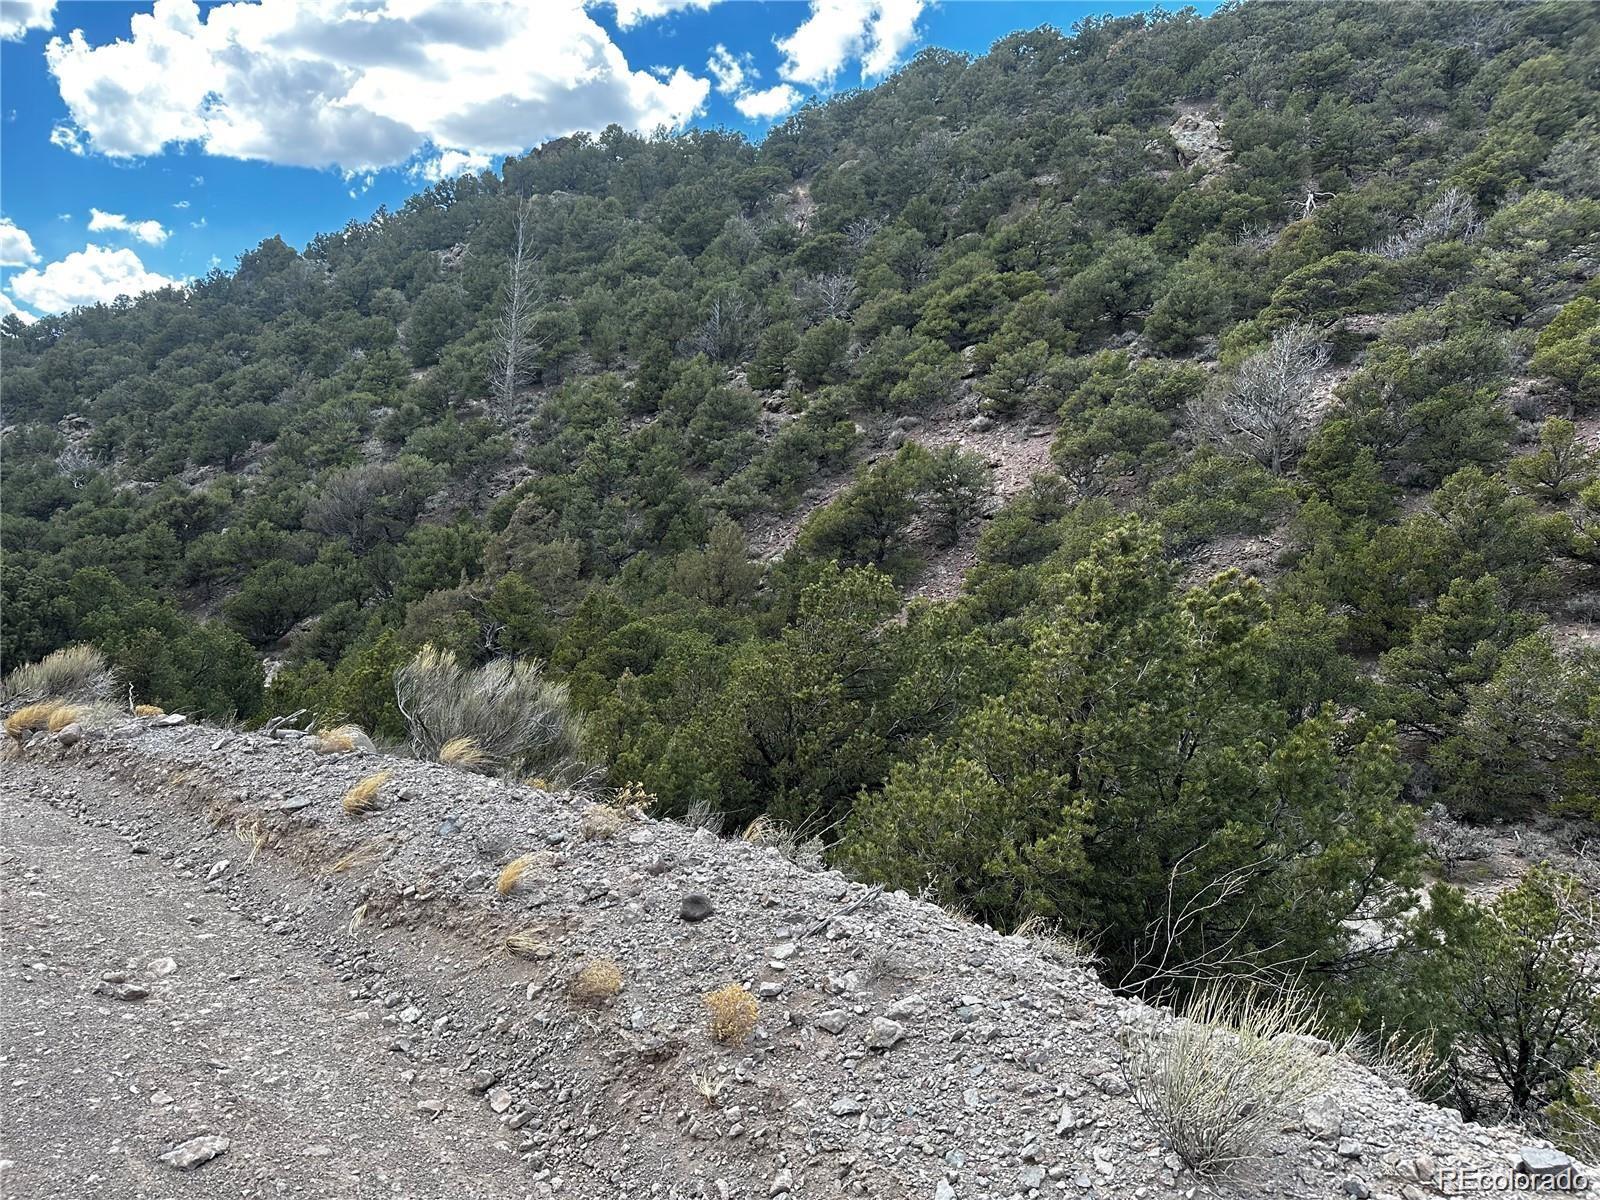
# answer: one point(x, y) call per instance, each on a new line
point(73, 673)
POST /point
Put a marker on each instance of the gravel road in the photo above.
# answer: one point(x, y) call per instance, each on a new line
point(141, 1011)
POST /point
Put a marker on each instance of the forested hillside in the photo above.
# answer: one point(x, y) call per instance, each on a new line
point(1306, 290)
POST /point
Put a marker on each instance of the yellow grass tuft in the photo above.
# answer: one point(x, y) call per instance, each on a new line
point(528, 944)
point(463, 752)
point(363, 797)
point(31, 718)
point(149, 710)
point(600, 821)
point(733, 1014)
point(595, 982)
point(340, 740)
point(511, 874)
point(62, 717)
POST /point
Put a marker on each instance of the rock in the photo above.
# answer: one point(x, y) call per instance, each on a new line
point(1030, 1177)
point(769, 990)
point(1067, 1121)
point(943, 1190)
point(782, 1183)
point(1349, 1148)
point(70, 735)
point(1560, 1171)
point(784, 952)
point(194, 1152)
point(845, 1106)
point(499, 1099)
point(432, 1107)
point(160, 967)
point(1323, 1118)
point(167, 722)
point(696, 907)
point(123, 991)
point(1356, 1187)
point(907, 1006)
point(884, 1033)
point(833, 1020)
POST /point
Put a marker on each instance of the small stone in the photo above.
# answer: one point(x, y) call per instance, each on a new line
point(160, 1099)
point(832, 1021)
point(769, 990)
point(1067, 1121)
point(124, 991)
point(194, 1152)
point(907, 1006)
point(1031, 1177)
point(1543, 1163)
point(433, 1107)
point(955, 1159)
point(70, 735)
point(696, 907)
point(168, 721)
point(1356, 1187)
point(499, 1099)
point(161, 967)
point(1350, 1148)
point(784, 952)
point(845, 1106)
point(884, 1033)
point(217, 868)
point(782, 1183)
point(1323, 1118)
point(943, 1190)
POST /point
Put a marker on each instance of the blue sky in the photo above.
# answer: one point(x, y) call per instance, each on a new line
point(146, 142)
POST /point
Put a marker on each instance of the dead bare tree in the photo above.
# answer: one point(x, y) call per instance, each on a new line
point(830, 294)
point(726, 332)
point(1268, 412)
point(516, 341)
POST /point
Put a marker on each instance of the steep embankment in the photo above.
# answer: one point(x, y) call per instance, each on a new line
point(202, 943)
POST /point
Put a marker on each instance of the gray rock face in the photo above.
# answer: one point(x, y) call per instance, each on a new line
point(196, 1151)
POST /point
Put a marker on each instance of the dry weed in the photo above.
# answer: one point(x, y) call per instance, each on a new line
point(708, 1085)
point(595, 983)
point(600, 821)
point(149, 710)
point(511, 874)
point(365, 855)
point(31, 718)
point(363, 797)
point(463, 752)
point(66, 715)
point(527, 944)
point(734, 1013)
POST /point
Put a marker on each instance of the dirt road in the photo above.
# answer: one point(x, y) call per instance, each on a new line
point(141, 1011)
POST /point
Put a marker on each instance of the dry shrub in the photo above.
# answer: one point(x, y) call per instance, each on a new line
point(734, 1012)
point(463, 752)
point(66, 715)
point(149, 710)
point(528, 944)
point(78, 673)
point(363, 797)
point(767, 831)
point(31, 718)
point(1217, 1082)
point(367, 854)
point(342, 740)
point(1404, 1060)
point(519, 720)
point(1053, 942)
point(600, 821)
point(632, 799)
point(595, 983)
point(511, 874)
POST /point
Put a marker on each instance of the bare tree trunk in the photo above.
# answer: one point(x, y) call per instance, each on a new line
point(516, 346)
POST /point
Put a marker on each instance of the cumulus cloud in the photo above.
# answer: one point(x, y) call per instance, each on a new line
point(19, 16)
point(875, 32)
point(93, 275)
point(632, 12)
point(450, 164)
point(9, 309)
point(358, 84)
point(16, 247)
point(769, 103)
point(152, 233)
point(728, 69)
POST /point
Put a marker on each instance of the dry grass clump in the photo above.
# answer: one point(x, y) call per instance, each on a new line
point(768, 831)
point(66, 715)
point(708, 1085)
point(463, 752)
point(734, 1012)
point(526, 943)
point(342, 739)
point(1404, 1060)
point(363, 797)
point(1053, 942)
point(78, 673)
point(518, 719)
point(31, 718)
point(1217, 1082)
point(367, 854)
point(149, 710)
point(600, 821)
point(596, 982)
point(511, 874)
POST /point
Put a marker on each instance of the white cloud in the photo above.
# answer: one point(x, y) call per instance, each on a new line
point(9, 309)
point(450, 164)
point(632, 12)
point(93, 275)
point(152, 233)
point(877, 32)
point(16, 247)
point(728, 70)
point(19, 16)
point(181, 204)
point(769, 103)
point(358, 84)
point(67, 138)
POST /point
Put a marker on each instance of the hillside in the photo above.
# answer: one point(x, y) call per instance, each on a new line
point(1141, 485)
point(180, 922)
